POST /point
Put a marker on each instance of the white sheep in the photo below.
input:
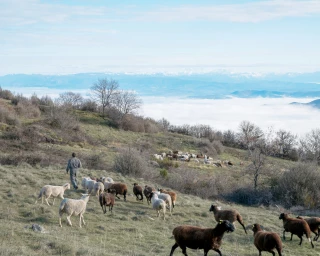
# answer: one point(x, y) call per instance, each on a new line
point(167, 198)
point(73, 207)
point(158, 204)
point(54, 191)
point(87, 184)
point(98, 188)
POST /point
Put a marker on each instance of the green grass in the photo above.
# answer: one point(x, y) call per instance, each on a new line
point(132, 229)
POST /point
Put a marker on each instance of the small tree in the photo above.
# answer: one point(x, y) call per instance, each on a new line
point(310, 146)
point(284, 143)
point(249, 135)
point(125, 102)
point(257, 165)
point(71, 99)
point(103, 93)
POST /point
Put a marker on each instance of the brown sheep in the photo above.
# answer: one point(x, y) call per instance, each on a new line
point(313, 223)
point(200, 238)
point(295, 227)
point(230, 215)
point(120, 189)
point(137, 190)
point(266, 241)
point(172, 194)
point(107, 199)
point(147, 193)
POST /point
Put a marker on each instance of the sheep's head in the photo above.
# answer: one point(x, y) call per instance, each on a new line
point(227, 225)
point(161, 190)
point(214, 208)
point(67, 185)
point(256, 227)
point(135, 184)
point(283, 216)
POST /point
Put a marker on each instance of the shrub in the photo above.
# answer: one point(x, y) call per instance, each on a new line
point(89, 105)
point(8, 117)
point(28, 110)
point(250, 196)
point(218, 147)
point(6, 94)
point(94, 161)
point(61, 118)
point(299, 186)
point(129, 162)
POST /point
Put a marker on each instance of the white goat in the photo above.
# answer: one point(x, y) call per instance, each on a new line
point(167, 199)
point(158, 204)
point(73, 207)
point(54, 191)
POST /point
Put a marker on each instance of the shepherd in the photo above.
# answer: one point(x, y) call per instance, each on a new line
point(73, 165)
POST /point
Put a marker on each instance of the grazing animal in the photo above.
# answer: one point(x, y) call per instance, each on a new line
point(167, 199)
point(107, 199)
point(137, 191)
point(201, 238)
point(73, 207)
point(172, 194)
point(266, 241)
point(313, 223)
point(295, 227)
point(98, 188)
point(87, 184)
point(54, 191)
point(230, 215)
point(158, 204)
point(120, 189)
point(147, 193)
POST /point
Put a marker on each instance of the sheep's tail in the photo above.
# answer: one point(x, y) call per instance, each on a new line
point(40, 195)
point(62, 205)
point(239, 219)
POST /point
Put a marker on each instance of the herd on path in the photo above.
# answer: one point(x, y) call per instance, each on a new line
point(185, 236)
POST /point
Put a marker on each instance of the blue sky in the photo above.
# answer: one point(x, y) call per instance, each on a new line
point(61, 36)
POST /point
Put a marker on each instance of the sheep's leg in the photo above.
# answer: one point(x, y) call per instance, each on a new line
point(47, 200)
point(273, 253)
point(241, 223)
point(124, 196)
point(60, 222)
point(300, 239)
point(83, 220)
point(117, 196)
point(80, 220)
point(284, 236)
point(53, 201)
point(217, 250)
point(184, 251)
point(316, 237)
point(292, 236)
point(69, 221)
point(311, 242)
point(173, 248)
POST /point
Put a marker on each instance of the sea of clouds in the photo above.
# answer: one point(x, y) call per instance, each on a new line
point(224, 114)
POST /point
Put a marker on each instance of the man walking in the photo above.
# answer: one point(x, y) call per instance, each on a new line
point(73, 165)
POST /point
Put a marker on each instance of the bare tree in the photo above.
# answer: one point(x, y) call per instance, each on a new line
point(310, 146)
point(164, 124)
point(71, 99)
point(249, 135)
point(126, 102)
point(257, 165)
point(284, 143)
point(103, 92)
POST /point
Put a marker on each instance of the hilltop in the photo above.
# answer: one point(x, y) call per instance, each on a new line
point(37, 142)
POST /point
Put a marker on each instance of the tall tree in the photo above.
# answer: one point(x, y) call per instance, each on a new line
point(103, 92)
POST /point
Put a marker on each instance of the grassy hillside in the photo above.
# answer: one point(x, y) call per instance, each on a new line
point(34, 153)
point(132, 229)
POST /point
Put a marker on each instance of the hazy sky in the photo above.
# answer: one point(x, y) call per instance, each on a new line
point(72, 36)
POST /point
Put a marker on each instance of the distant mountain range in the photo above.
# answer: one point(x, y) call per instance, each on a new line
point(202, 86)
point(314, 103)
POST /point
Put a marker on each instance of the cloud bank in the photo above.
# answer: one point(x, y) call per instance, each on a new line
point(228, 113)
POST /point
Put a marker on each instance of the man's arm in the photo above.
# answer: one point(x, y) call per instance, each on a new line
point(67, 169)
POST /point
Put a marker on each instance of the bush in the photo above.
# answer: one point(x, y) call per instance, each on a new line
point(129, 162)
point(299, 186)
point(6, 94)
point(218, 147)
point(249, 196)
point(89, 105)
point(61, 118)
point(8, 117)
point(28, 110)
point(94, 161)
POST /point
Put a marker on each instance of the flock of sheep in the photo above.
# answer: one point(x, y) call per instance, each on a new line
point(185, 236)
point(189, 157)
